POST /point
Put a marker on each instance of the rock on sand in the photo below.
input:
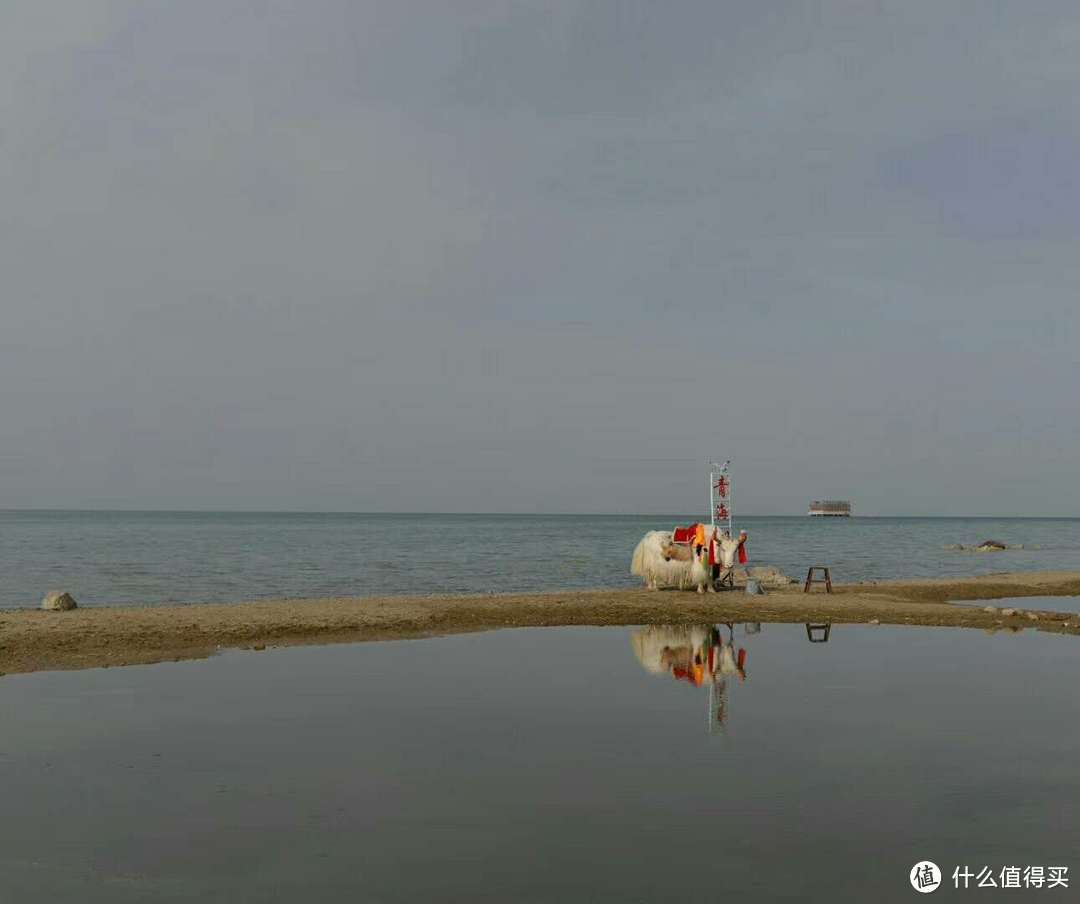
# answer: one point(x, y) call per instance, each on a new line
point(765, 575)
point(58, 601)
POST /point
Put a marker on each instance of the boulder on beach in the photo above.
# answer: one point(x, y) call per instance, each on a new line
point(991, 546)
point(58, 601)
point(765, 575)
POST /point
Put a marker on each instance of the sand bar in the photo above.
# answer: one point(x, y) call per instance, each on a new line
point(33, 640)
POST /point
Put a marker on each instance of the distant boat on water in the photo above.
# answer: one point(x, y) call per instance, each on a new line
point(830, 508)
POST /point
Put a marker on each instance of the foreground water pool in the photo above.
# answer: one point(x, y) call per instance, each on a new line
point(549, 765)
point(1048, 603)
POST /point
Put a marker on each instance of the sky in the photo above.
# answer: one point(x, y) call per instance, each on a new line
point(540, 256)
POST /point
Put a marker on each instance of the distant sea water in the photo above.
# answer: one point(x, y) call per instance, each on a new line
point(126, 558)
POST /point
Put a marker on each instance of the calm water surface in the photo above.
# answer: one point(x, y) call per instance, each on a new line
point(1052, 603)
point(547, 765)
point(157, 557)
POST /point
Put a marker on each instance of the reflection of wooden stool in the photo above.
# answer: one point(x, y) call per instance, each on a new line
point(810, 579)
point(818, 633)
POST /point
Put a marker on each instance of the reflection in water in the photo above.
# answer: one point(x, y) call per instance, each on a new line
point(699, 655)
point(385, 771)
point(704, 655)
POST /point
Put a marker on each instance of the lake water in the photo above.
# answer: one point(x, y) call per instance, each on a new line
point(548, 765)
point(157, 557)
point(1051, 603)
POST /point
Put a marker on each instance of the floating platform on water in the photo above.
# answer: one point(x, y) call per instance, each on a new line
point(830, 508)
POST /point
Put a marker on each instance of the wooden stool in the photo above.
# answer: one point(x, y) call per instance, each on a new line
point(810, 579)
point(818, 633)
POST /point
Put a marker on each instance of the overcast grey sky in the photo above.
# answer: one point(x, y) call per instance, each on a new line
point(539, 256)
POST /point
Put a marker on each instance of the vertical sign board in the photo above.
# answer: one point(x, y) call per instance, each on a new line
point(721, 498)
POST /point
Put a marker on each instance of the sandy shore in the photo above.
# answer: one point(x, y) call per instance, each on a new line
point(32, 640)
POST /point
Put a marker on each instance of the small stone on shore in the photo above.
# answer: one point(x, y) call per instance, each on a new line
point(1008, 612)
point(990, 609)
point(59, 601)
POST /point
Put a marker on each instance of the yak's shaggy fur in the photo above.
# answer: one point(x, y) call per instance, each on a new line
point(662, 563)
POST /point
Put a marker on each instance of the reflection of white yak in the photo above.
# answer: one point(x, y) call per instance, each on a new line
point(660, 562)
point(653, 645)
point(660, 647)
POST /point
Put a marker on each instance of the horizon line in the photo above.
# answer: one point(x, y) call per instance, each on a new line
point(242, 511)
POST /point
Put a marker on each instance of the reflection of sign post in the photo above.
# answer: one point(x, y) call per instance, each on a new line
point(818, 633)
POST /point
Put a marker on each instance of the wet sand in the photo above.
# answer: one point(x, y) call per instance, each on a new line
point(34, 640)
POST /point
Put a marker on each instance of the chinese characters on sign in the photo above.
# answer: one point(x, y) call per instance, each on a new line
point(721, 487)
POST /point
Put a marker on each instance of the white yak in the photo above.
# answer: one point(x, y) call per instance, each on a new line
point(662, 563)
